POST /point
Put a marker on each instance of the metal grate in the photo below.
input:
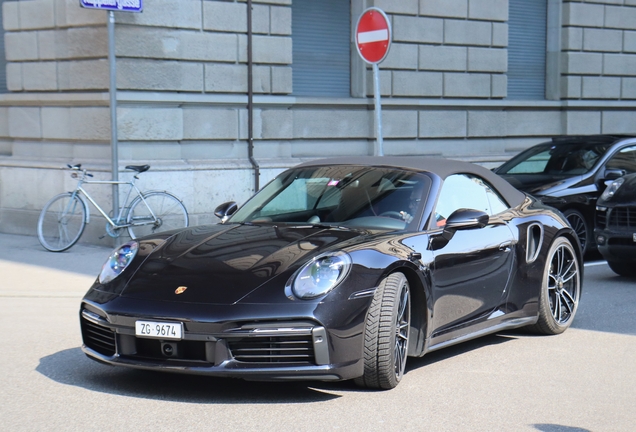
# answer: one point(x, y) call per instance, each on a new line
point(281, 349)
point(622, 217)
point(601, 219)
point(98, 338)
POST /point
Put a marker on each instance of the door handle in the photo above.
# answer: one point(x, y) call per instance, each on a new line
point(506, 246)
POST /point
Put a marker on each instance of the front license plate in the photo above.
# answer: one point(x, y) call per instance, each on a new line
point(158, 330)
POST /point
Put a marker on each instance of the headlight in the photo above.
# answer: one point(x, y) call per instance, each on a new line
point(612, 188)
point(118, 261)
point(320, 275)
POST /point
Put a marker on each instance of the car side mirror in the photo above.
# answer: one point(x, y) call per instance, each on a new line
point(466, 219)
point(225, 210)
point(613, 174)
point(461, 219)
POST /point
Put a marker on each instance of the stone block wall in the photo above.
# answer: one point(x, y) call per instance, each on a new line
point(446, 49)
point(599, 50)
point(182, 83)
point(186, 46)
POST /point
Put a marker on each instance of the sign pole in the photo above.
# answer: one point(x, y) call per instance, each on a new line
point(378, 111)
point(111, 6)
point(113, 110)
point(373, 40)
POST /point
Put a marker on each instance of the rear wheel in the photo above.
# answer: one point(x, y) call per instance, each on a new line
point(623, 268)
point(163, 212)
point(61, 222)
point(386, 336)
point(581, 227)
point(560, 290)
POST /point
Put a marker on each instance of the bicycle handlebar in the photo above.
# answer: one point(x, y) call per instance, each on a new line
point(78, 167)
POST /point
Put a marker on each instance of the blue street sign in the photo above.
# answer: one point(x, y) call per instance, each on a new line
point(114, 5)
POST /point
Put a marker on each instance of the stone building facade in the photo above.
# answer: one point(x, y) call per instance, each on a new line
point(448, 89)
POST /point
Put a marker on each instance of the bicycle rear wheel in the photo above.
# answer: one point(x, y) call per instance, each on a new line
point(168, 213)
point(61, 222)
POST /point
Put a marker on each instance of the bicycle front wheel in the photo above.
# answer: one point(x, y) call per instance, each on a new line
point(61, 222)
point(158, 211)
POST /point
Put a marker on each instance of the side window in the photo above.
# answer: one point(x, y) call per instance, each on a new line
point(466, 191)
point(624, 160)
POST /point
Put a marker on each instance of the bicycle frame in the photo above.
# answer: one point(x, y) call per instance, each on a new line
point(115, 222)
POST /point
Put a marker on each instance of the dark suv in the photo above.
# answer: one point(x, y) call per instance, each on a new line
point(570, 173)
point(615, 231)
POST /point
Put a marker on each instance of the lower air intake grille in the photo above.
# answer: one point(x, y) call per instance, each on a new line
point(98, 338)
point(282, 349)
point(601, 219)
point(622, 217)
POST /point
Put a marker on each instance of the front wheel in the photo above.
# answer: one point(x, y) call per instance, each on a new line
point(386, 335)
point(156, 212)
point(61, 222)
point(581, 227)
point(560, 289)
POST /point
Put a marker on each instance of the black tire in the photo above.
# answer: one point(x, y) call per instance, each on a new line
point(169, 211)
point(560, 289)
point(62, 222)
point(386, 335)
point(581, 227)
point(623, 268)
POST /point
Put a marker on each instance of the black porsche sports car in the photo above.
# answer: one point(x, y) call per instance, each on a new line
point(570, 173)
point(338, 269)
point(616, 225)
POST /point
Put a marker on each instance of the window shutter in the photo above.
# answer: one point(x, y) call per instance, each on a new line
point(527, 22)
point(320, 39)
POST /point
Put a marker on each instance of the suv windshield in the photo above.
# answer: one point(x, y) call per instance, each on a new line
point(563, 159)
point(353, 196)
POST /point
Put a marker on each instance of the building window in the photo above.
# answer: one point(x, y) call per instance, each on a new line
point(527, 29)
point(321, 58)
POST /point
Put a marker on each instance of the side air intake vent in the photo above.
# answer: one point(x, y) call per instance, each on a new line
point(535, 241)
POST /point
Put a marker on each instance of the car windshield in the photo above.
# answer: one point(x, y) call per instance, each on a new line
point(564, 159)
point(342, 195)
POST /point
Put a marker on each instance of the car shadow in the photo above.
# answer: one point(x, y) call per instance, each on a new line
point(460, 349)
point(72, 367)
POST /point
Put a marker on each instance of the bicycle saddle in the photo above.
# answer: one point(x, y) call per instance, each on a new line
point(138, 168)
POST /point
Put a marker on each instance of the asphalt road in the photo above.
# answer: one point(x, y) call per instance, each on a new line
point(583, 380)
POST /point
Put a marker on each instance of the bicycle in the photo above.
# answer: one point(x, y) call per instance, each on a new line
point(65, 216)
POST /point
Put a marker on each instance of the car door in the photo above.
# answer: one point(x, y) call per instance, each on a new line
point(470, 273)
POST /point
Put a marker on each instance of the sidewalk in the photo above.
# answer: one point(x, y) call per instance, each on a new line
point(29, 270)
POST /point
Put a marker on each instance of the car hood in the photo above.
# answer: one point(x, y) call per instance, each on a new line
point(540, 184)
point(222, 264)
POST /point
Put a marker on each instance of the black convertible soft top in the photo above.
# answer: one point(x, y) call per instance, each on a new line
point(438, 166)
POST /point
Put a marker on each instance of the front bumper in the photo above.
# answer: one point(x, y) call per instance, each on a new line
point(617, 245)
point(263, 349)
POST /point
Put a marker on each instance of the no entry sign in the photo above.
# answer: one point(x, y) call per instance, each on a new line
point(373, 35)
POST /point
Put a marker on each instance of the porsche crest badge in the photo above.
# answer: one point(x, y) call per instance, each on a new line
point(180, 290)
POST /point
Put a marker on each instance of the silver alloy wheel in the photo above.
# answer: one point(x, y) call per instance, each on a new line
point(563, 284)
point(402, 324)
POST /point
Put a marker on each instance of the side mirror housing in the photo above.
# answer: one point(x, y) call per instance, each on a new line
point(613, 174)
point(466, 219)
point(461, 219)
point(225, 210)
